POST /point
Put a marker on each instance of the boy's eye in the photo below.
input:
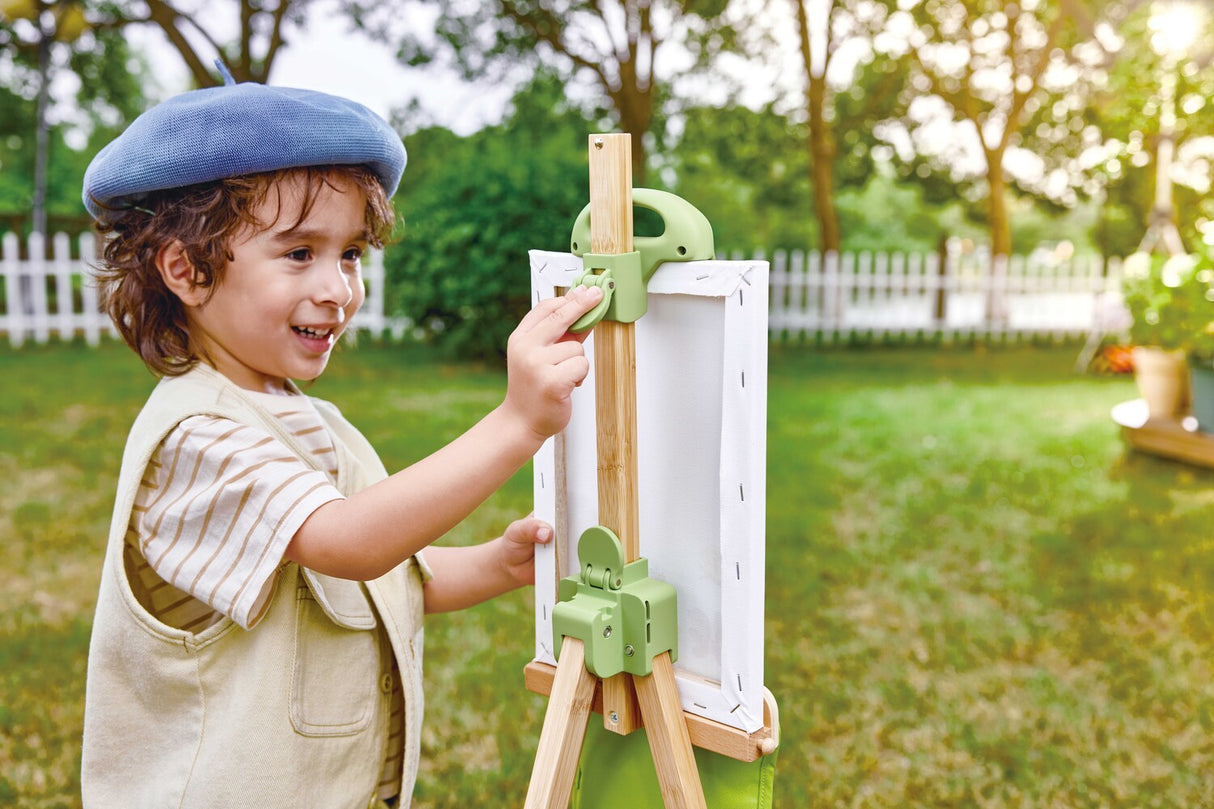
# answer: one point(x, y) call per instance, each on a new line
point(353, 254)
point(300, 254)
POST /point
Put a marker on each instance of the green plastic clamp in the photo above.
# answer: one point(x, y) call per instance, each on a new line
point(626, 306)
point(686, 236)
point(623, 618)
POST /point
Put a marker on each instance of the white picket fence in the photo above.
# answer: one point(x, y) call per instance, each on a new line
point(853, 296)
point(828, 298)
point(57, 296)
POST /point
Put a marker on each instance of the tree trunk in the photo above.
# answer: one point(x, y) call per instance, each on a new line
point(821, 143)
point(635, 106)
point(1000, 227)
point(1001, 241)
point(821, 175)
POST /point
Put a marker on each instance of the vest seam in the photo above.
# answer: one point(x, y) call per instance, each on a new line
point(201, 734)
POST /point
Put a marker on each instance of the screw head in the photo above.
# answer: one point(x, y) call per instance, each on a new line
point(628, 650)
point(606, 632)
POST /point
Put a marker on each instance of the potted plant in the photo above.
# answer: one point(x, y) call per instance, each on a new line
point(1160, 330)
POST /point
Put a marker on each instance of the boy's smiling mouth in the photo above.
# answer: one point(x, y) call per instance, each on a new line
point(313, 333)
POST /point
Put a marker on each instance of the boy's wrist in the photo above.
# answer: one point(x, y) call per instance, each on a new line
point(517, 427)
point(501, 564)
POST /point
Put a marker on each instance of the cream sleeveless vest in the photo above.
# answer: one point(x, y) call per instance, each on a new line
point(292, 713)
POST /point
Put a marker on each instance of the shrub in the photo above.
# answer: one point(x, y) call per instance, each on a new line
point(473, 208)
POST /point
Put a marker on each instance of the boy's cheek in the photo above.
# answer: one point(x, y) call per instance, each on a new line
point(355, 304)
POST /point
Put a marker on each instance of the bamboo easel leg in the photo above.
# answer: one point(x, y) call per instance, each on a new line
point(564, 730)
point(621, 714)
point(669, 741)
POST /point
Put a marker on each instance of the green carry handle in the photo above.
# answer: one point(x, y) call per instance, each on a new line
point(686, 236)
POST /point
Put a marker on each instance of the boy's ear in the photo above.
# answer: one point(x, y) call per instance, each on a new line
point(178, 273)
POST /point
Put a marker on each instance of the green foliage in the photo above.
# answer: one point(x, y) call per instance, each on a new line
point(887, 216)
point(1171, 301)
point(746, 171)
point(110, 95)
point(473, 207)
point(1016, 76)
point(1118, 229)
point(873, 95)
point(1128, 113)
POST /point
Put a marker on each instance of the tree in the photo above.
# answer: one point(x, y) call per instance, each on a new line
point(840, 87)
point(250, 57)
point(841, 22)
point(1156, 117)
point(109, 94)
point(197, 31)
point(619, 45)
point(1006, 72)
point(745, 170)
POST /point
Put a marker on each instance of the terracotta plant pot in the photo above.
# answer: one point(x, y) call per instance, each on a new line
point(1163, 381)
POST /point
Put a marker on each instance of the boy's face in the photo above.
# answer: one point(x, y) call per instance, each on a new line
point(289, 291)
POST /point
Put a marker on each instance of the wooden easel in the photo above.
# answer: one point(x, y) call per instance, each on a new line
point(626, 701)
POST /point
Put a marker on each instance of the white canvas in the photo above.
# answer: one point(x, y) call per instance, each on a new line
point(701, 434)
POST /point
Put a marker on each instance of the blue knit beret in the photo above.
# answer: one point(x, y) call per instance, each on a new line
point(220, 132)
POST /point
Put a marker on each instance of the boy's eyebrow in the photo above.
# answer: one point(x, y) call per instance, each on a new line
point(309, 234)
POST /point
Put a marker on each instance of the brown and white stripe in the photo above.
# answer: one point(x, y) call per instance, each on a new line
point(216, 510)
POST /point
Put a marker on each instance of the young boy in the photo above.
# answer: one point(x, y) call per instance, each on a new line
point(258, 632)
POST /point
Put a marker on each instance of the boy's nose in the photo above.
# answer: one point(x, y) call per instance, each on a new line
point(334, 285)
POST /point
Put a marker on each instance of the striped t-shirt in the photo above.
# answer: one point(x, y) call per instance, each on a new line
point(218, 504)
point(217, 507)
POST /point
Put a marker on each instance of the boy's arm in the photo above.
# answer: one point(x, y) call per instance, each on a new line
point(467, 576)
point(366, 535)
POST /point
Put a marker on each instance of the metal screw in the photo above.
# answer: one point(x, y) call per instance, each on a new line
point(598, 143)
point(628, 650)
point(606, 632)
point(615, 717)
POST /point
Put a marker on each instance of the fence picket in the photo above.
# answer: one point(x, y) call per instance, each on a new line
point(61, 268)
point(812, 292)
point(10, 264)
point(32, 281)
point(93, 321)
point(777, 311)
point(880, 292)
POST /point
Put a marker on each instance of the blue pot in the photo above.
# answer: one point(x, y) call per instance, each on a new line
point(1201, 377)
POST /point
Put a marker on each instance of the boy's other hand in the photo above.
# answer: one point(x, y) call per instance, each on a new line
point(545, 362)
point(518, 547)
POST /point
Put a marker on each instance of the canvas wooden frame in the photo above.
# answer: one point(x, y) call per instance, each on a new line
point(701, 434)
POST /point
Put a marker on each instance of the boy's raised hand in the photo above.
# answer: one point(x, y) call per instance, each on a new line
point(545, 362)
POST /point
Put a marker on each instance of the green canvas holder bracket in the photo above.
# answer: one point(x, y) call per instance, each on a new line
point(622, 617)
point(686, 236)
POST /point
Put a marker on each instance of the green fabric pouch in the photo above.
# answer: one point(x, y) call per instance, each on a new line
point(617, 771)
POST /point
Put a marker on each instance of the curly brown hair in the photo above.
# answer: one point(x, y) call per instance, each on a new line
point(204, 218)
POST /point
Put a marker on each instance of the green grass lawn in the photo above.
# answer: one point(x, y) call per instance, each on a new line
point(975, 595)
